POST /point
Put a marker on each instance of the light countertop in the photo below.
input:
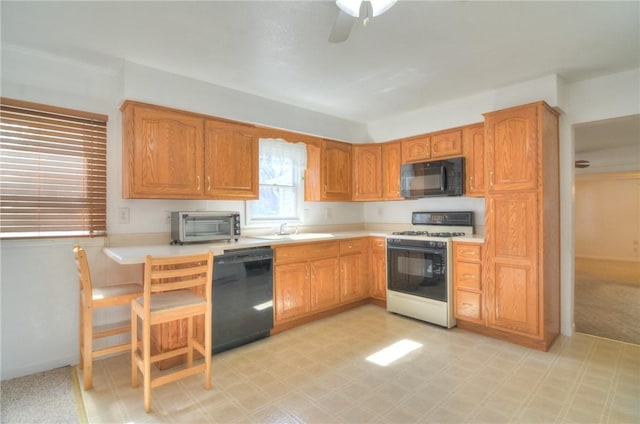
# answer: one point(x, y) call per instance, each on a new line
point(129, 255)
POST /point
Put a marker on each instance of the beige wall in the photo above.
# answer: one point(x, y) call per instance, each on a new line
point(607, 216)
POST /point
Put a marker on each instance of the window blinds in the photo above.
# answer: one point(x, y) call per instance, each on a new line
point(53, 171)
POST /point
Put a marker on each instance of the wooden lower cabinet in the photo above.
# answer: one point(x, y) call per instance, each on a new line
point(324, 283)
point(468, 291)
point(317, 277)
point(378, 288)
point(291, 290)
point(353, 270)
point(513, 296)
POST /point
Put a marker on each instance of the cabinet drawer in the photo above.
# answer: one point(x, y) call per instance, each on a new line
point(378, 244)
point(468, 305)
point(352, 246)
point(467, 276)
point(467, 252)
point(306, 251)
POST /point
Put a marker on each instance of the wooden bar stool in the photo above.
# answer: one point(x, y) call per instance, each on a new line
point(175, 288)
point(99, 297)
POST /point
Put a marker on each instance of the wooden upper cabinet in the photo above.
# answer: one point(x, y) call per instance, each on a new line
point(391, 163)
point(416, 149)
point(367, 172)
point(335, 172)
point(473, 151)
point(446, 144)
point(162, 153)
point(512, 149)
point(231, 158)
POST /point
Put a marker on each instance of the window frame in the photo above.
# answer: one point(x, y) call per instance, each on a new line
point(298, 186)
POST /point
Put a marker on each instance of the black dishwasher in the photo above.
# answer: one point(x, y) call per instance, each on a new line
point(242, 297)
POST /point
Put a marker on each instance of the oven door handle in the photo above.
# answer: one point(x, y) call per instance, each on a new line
point(438, 251)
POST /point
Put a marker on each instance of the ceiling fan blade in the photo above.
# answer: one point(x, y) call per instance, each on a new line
point(341, 27)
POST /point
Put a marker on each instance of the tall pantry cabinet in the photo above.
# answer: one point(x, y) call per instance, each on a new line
point(522, 241)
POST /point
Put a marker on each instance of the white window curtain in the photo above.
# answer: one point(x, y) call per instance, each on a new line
point(281, 166)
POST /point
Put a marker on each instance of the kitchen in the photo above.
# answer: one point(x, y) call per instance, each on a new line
point(93, 87)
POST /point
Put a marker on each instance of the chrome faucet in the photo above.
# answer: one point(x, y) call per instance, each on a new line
point(282, 226)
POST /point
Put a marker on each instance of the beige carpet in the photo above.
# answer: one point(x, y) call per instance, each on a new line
point(46, 397)
point(607, 299)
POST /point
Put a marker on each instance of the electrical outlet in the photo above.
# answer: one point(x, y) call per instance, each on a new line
point(167, 217)
point(328, 213)
point(123, 215)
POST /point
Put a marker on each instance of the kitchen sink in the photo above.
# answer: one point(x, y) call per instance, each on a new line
point(300, 236)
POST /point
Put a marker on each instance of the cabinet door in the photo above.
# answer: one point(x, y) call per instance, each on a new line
point(473, 149)
point(231, 157)
point(336, 170)
point(163, 153)
point(512, 281)
point(378, 268)
point(291, 291)
point(367, 172)
point(352, 278)
point(391, 163)
point(325, 283)
point(446, 144)
point(416, 149)
point(468, 306)
point(512, 143)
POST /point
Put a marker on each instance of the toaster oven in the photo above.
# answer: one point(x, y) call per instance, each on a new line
point(204, 226)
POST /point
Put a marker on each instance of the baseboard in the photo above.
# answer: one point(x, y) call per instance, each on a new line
point(607, 258)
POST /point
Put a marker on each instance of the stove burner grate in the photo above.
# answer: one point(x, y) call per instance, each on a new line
point(428, 234)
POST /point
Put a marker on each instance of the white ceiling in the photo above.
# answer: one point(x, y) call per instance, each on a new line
point(418, 53)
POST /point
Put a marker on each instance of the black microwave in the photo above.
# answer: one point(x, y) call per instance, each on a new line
point(433, 178)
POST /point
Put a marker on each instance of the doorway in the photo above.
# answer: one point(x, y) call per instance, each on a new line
point(607, 229)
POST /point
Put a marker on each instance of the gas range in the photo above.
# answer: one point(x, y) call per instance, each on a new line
point(418, 266)
point(437, 225)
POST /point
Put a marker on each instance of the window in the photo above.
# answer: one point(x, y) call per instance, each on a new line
point(53, 171)
point(282, 165)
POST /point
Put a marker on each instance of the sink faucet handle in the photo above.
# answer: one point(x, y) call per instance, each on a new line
point(282, 226)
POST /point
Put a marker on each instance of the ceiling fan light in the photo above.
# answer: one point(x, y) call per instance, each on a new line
point(378, 7)
point(350, 7)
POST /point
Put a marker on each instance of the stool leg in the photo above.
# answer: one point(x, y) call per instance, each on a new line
point(81, 334)
point(87, 374)
point(134, 347)
point(146, 346)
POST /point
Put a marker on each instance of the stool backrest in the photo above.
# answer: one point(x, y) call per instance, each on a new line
point(84, 275)
point(165, 274)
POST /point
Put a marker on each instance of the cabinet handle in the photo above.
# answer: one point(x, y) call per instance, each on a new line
point(208, 182)
point(491, 205)
point(491, 178)
point(471, 183)
point(469, 276)
point(198, 182)
point(470, 253)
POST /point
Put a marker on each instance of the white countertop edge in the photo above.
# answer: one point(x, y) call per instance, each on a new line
point(130, 255)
